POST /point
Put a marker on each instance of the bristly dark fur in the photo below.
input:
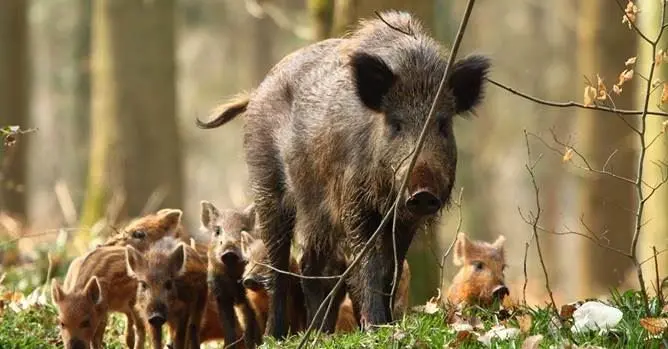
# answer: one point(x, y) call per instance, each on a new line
point(327, 137)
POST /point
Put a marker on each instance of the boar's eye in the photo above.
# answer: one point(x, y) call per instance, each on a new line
point(143, 285)
point(444, 126)
point(85, 324)
point(168, 285)
point(138, 234)
point(216, 230)
point(478, 265)
point(394, 125)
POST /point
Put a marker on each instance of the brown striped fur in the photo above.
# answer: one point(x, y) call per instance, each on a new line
point(142, 232)
point(96, 284)
point(172, 288)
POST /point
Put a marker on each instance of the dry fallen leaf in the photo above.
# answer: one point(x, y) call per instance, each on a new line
point(499, 333)
point(654, 325)
point(567, 310)
point(432, 305)
point(589, 96)
point(568, 155)
point(532, 342)
point(630, 61)
point(525, 323)
point(664, 94)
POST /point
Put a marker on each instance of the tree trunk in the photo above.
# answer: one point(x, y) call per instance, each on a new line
point(606, 203)
point(654, 231)
point(13, 103)
point(136, 148)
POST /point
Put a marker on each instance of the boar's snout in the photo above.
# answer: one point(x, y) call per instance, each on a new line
point(500, 292)
point(423, 203)
point(76, 344)
point(230, 258)
point(156, 319)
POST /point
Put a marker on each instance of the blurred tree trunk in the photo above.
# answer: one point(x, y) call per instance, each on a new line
point(607, 203)
point(423, 264)
point(136, 148)
point(654, 231)
point(348, 12)
point(13, 103)
point(322, 13)
point(81, 99)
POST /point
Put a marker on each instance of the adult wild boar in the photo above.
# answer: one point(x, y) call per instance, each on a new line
point(327, 137)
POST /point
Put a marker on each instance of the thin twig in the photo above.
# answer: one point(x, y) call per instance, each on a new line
point(534, 224)
point(526, 274)
point(418, 147)
point(572, 104)
point(445, 255)
point(659, 292)
point(633, 25)
point(300, 276)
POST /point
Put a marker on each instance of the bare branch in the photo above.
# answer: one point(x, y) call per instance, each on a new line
point(534, 224)
point(572, 104)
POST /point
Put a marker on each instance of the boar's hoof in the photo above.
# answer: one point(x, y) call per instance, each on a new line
point(423, 203)
point(500, 292)
point(230, 258)
point(156, 320)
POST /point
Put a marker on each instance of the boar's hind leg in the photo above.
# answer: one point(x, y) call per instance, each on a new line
point(275, 218)
point(370, 283)
point(318, 260)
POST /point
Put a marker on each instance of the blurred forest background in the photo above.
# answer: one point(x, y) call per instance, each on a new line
point(113, 88)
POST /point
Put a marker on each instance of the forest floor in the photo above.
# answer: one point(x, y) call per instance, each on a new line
point(29, 321)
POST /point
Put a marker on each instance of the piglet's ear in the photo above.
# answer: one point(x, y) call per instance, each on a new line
point(209, 213)
point(57, 293)
point(373, 79)
point(94, 290)
point(133, 261)
point(466, 81)
point(461, 246)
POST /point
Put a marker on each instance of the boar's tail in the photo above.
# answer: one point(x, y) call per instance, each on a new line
point(226, 112)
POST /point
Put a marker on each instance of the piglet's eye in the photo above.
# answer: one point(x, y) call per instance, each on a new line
point(478, 265)
point(85, 324)
point(217, 230)
point(138, 234)
point(168, 285)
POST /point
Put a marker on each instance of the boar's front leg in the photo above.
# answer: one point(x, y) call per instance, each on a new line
point(319, 259)
point(276, 229)
point(370, 283)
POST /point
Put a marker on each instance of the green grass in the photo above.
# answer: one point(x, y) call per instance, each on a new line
point(36, 328)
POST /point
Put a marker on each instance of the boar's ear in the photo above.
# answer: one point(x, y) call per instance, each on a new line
point(461, 246)
point(171, 217)
point(466, 81)
point(94, 290)
point(177, 260)
point(57, 293)
point(133, 261)
point(209, 213)
point(373, 79)
point(249, 212)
